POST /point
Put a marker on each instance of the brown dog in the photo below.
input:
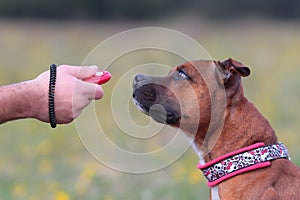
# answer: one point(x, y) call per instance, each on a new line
point(205, 99)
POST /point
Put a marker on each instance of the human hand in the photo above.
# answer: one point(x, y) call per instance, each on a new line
point(72, 94)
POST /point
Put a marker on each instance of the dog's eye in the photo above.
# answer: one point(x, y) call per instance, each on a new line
point(182, 74)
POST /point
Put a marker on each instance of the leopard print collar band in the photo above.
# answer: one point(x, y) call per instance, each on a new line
point(246, 159)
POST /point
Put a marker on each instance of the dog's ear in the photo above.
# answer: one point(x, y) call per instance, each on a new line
point(232, 68)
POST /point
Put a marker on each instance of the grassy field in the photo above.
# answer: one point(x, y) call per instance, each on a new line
point(37, 162)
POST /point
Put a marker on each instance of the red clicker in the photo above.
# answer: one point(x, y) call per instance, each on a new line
point(99, 78)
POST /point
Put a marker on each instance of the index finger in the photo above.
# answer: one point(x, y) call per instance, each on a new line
point(79, 72)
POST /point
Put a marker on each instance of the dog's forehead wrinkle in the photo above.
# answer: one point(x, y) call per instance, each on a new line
point(205, 69)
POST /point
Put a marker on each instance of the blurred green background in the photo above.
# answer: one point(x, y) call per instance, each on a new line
point(37, 162)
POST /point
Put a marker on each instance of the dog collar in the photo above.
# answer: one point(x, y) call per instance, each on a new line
point(250, 158)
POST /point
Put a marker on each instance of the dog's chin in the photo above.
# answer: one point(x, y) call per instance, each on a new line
point(158, 113)
point(164, 117)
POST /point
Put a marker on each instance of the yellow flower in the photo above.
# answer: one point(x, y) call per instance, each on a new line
point(85, 179)
point(45, 148)
point(19, 190)
point(61, 195)
point(178, 172)
point(194, 177)
point(107, 197)
point(45, 166)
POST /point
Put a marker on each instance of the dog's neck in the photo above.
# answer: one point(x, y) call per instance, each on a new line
point(236, 134)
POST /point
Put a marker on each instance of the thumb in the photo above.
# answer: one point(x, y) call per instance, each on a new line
point(80, 72)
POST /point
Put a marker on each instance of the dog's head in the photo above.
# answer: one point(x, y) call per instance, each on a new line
point(188, 90)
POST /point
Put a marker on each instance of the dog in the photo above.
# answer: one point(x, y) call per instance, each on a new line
point(238, 150)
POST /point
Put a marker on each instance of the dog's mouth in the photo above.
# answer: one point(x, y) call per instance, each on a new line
point(158, 112)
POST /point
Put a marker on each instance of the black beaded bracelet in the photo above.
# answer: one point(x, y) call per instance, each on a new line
point(51, 93)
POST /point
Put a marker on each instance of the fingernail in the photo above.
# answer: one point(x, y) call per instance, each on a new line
point(100, 73)
point(93, 66)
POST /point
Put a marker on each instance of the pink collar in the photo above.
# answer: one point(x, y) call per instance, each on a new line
point(253, 157)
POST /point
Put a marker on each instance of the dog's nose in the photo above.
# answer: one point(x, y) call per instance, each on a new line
point(139, 77)
point(138, 80)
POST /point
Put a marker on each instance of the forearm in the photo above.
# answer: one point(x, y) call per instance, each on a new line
point(20, 100)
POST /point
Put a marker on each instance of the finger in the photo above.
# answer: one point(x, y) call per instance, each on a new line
point(90, 90)
point(79, 72)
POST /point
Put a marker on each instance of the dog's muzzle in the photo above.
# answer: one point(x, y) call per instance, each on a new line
point(149, 97)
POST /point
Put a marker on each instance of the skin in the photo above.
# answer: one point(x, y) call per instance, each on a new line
point(29, 99)
point(243, 124)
